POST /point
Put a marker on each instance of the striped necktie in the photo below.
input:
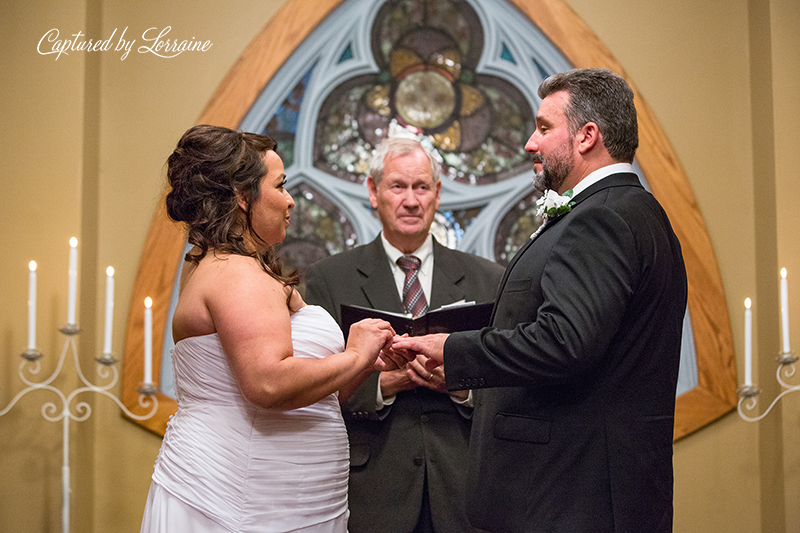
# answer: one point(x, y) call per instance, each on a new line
point(414, 301)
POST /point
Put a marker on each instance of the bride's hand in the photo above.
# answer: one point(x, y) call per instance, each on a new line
point(393, 359)
point(368, 337)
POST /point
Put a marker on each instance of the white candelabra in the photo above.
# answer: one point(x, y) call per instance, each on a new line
point(106, 369)
point(748, 393)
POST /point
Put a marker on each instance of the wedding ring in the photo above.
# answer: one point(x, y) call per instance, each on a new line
point(430, 376)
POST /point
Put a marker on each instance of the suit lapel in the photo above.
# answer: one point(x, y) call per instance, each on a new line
point(447, 273)
point(379, 287)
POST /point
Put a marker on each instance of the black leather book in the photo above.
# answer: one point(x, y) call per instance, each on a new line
point(447, 319)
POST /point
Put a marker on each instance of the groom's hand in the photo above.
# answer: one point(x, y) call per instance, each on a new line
point(431, 346)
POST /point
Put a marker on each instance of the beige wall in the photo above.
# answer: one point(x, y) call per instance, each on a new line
point(83, 146)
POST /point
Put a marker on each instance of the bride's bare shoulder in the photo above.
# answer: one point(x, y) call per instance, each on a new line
point(227, 263)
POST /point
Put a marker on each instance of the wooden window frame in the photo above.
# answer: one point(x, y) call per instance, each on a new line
point(715, 393)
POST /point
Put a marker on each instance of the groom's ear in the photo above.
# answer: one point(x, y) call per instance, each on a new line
point(588, 137)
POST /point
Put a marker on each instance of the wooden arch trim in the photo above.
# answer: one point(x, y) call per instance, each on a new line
point(715, 393)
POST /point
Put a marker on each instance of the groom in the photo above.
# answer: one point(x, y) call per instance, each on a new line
point(573, 421)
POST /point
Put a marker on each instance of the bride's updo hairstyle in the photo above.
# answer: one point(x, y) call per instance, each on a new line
point(210, 165)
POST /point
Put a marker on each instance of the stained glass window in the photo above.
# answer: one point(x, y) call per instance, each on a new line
point(424, 67)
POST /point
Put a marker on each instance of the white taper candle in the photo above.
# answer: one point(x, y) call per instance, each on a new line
point(32, 306)
point(109, 309)
point(73, 279)
point(748, 344)
point(785, 311)
point(148, 340)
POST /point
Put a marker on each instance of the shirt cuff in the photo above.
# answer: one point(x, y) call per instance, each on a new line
point(380, 401)
point(456, 399)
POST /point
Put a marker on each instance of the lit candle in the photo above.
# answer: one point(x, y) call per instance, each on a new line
point(748, 344)
point(148, 340)
point(32, 306)
point(109, 308)
point(73, 279)
point(785, 310)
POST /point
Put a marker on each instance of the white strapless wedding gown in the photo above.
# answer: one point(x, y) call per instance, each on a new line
point(226, 465)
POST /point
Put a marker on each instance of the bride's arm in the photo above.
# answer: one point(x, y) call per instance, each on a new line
point(251, 316)
point(352, 386)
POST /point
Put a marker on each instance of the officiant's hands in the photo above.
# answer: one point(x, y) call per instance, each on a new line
point(421, 376)
point(412, 375)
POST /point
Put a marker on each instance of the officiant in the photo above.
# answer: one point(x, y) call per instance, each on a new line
point(408, 435)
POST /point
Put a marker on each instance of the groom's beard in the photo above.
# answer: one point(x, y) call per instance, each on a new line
point(555, 168)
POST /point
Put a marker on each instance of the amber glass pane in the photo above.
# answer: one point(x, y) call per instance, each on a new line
point(515, 228)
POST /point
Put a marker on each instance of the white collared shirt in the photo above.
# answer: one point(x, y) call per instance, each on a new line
point(599, 174)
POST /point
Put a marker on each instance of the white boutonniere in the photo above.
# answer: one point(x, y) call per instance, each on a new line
point(552, 205)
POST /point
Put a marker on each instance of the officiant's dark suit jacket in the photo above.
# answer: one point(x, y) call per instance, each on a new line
point(422, 431)
point(573, 424)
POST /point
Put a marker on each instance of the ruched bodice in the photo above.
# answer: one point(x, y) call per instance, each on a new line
point(251, 469)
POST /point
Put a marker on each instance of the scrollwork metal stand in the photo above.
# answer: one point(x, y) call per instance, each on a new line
point(749, 393)
point(106, 371)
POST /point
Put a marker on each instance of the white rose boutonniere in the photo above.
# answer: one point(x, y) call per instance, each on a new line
point(552, 205)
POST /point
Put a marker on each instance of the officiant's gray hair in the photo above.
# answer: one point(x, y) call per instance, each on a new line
point(603, 97)
point(400, 146)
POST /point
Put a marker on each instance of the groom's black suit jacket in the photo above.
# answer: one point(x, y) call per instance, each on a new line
point(421, 440)
point(573, 424)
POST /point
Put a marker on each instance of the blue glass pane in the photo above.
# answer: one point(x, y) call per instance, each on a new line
point(283, 124)
point(506, 54)
point(450, 226)
point(347, 54)
point(540, 68)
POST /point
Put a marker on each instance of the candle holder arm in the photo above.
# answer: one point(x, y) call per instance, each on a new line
point(749, 394)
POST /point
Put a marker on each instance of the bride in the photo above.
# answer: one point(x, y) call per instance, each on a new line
point(258, 443)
